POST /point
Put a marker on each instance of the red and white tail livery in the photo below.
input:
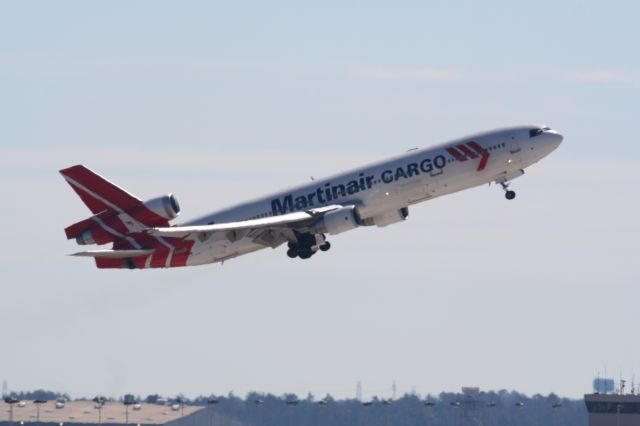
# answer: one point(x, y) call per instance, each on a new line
point(377, 194)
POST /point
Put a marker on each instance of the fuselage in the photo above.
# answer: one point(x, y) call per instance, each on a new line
point(382, 191)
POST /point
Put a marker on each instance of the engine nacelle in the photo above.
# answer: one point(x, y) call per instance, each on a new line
point(85, 238)
point(388, 218)
point(166, 207)
point(337, 221)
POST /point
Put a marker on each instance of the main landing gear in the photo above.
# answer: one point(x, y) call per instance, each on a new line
point(307, 245)
point(508, 194)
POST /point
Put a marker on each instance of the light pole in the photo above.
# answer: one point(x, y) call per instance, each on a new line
point(456, 412)
point(490, 404)
point(291, 403)
point(555, 407)
point(180, 400)
point(429, 405)
point(520, 406)
point(386, 403)
point(212, 403)
point(100, 401)
point(128, 400)
point(39, 402)
point(322, 403)
point(365, 405)
point(11, 401)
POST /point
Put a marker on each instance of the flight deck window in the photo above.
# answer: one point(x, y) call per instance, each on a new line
point(535, 132)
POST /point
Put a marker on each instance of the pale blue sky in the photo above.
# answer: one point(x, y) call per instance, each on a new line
point(220, 102)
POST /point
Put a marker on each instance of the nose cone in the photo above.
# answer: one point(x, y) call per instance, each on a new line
point(553, 140)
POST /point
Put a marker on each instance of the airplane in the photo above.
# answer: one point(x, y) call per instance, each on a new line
point(378, 194)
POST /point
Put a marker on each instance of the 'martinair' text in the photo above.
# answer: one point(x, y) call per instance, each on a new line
point(330, 192)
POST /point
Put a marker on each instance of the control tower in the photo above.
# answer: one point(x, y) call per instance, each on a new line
point(613, 409)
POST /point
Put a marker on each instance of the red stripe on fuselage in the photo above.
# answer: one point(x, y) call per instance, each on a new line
point(456, 154)
point(483, 153)
point(467, 151)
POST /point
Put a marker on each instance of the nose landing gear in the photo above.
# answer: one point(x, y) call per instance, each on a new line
point(508, 194)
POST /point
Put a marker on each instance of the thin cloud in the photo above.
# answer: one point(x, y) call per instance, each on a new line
point(406, 73)
point(203, 67)
point(529, 74)
point(232, 163)
point(606, 76)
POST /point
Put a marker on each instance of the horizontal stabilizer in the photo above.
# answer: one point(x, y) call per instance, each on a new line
point(114, 254)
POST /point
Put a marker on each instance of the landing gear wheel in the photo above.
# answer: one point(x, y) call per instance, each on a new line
point(508, 194)
point(305, 253)
point(326, 246)
point(292, 253)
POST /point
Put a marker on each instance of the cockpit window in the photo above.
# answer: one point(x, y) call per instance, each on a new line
point(535, 132)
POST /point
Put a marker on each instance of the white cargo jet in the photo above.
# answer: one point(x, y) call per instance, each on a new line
point(377, 194)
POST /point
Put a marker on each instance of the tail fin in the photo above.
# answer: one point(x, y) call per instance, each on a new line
point(97, 193)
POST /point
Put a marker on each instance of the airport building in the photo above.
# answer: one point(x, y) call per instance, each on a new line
point(88, 413)
point(613, 409)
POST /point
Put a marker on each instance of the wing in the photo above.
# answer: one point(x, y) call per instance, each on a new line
point(295, 220)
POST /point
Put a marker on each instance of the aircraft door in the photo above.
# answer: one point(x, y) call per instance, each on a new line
point(515, 150)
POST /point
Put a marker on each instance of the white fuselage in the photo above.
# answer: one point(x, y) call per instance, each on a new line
point(381, 189)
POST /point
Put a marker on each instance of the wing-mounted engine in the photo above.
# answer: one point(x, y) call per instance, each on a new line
point(109, 226)
point(337, 221)
point(388, 218)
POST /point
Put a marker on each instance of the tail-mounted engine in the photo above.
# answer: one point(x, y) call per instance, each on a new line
point(165, 207)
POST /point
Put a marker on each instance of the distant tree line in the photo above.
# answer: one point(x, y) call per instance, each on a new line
point(40, 394)
point(501, 408)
